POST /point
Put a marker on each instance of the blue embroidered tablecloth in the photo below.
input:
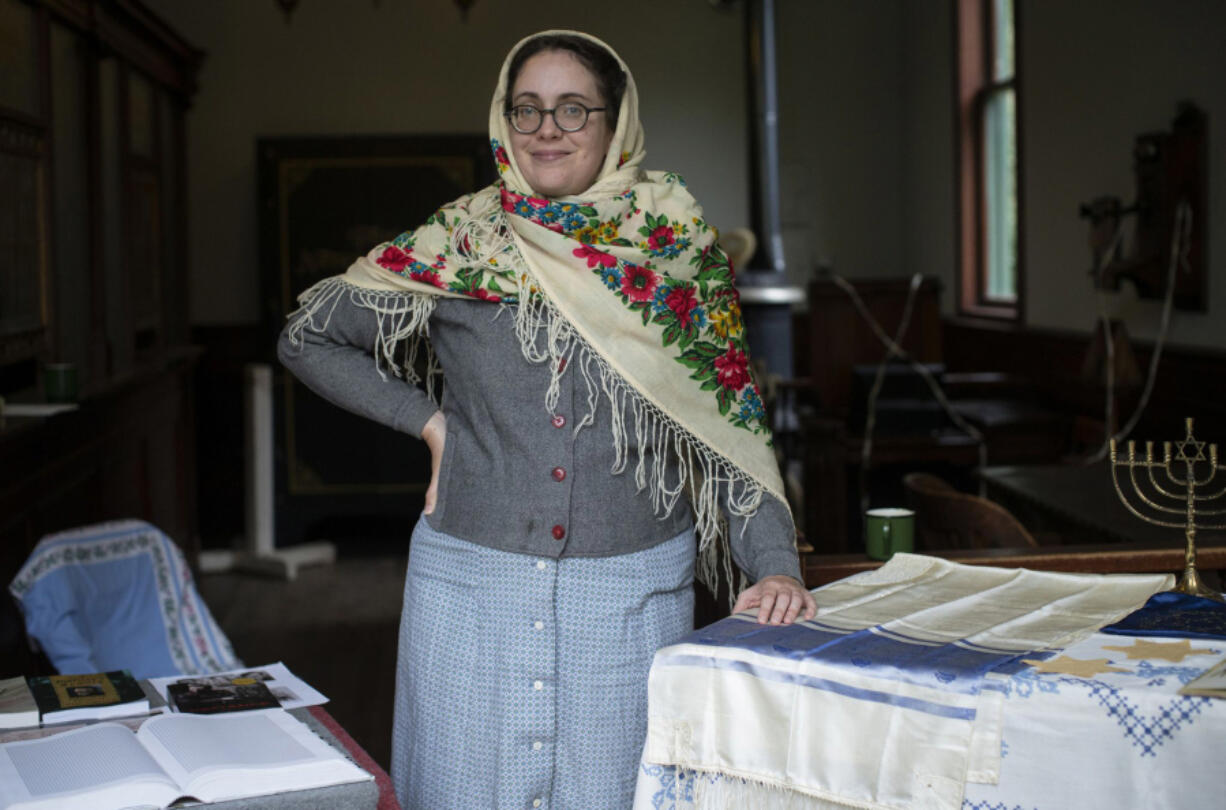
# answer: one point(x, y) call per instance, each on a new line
point(1115, 739)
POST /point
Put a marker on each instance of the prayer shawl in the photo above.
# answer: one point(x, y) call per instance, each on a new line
point(625, 281)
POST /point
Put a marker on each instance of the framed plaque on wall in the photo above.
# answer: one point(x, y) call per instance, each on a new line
point(324, 202)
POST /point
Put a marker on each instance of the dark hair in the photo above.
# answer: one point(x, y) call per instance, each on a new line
point(610, 78)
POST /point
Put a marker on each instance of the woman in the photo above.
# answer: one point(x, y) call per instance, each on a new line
point(586, 323)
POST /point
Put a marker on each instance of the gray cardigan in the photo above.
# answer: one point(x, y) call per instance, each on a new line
point(514, 476)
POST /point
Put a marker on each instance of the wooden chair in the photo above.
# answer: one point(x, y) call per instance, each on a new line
point(948, 519)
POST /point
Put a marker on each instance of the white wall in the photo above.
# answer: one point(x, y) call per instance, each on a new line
point(1096, 73)
point(401, 67)
point(866, 120)
point(868, 139)
point(841, 142)
point(929, 228)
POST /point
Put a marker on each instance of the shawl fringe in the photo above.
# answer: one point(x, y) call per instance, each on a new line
point(403, 320)
point(546, 337)
point(720, 791)
point(711, 788)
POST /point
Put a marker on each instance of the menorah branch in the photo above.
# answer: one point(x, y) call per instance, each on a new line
point(1140, 493)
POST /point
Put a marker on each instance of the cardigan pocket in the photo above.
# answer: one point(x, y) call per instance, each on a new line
point(444, 479)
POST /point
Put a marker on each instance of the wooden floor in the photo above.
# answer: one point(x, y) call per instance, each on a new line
point(335, 627)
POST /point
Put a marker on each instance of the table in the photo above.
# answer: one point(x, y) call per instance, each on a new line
point(1165, 556)
point(1013, 431)
point(832, 464)
point(912, 689)
point(386, 798)
point(1077, 501)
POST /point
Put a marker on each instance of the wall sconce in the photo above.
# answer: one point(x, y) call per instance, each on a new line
point(288, 7)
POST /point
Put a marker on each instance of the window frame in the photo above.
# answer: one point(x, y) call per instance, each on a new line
point(974, 44)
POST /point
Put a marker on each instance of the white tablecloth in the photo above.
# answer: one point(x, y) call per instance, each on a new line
point(814, 718)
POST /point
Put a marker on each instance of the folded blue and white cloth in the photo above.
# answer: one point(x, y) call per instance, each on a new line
point(1174, 615)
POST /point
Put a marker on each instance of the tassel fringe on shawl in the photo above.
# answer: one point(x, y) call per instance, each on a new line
point(403, 323)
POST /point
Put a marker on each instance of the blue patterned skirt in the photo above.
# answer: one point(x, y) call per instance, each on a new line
point(522, 681)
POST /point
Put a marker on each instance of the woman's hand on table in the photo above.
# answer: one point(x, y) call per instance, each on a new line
point(779, 600)
point(434, 434)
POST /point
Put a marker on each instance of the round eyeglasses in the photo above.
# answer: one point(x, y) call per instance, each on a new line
point(569, 117)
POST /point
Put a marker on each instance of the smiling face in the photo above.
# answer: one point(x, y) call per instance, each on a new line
point(557, 163)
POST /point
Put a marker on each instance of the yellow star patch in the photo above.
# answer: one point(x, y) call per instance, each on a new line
point(1174, 651)
point(1078, 667)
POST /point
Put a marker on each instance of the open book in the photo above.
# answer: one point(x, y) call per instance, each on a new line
point(205, 757)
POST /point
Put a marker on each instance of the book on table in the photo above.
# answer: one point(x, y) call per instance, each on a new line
point(97, 696)
point(17, 706)
point(208, 758)
point(220, 693)
point(290, 691)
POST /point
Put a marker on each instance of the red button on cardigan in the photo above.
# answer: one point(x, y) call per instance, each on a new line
point(559, 531)
point(558, 473)
point(558, 420)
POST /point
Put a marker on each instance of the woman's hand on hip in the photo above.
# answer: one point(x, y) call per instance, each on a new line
point(434, 434)
point(779, 600)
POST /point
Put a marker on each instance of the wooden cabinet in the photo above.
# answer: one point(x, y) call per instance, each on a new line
point(93, 95)
point(93, 270)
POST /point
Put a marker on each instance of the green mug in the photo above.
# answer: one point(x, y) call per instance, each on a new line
point(887, 531)
point(60, 382)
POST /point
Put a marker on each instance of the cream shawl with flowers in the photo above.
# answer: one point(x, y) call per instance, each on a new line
point(628, 284)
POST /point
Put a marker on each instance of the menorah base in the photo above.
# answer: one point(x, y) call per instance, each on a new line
point(1190, 583)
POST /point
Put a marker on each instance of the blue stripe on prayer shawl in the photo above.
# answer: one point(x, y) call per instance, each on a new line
point(954, 666)
point(824, 684)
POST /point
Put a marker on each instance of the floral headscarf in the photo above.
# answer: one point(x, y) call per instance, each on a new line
point(627, 280)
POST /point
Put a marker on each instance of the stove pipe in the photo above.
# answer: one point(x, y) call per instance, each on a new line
point(766, 296)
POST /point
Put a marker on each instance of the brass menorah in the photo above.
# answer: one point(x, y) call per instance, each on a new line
point(1158, 498)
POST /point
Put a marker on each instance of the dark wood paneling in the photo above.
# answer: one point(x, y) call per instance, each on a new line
point(137, 35)
point(128, 452)
point(840, 338)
